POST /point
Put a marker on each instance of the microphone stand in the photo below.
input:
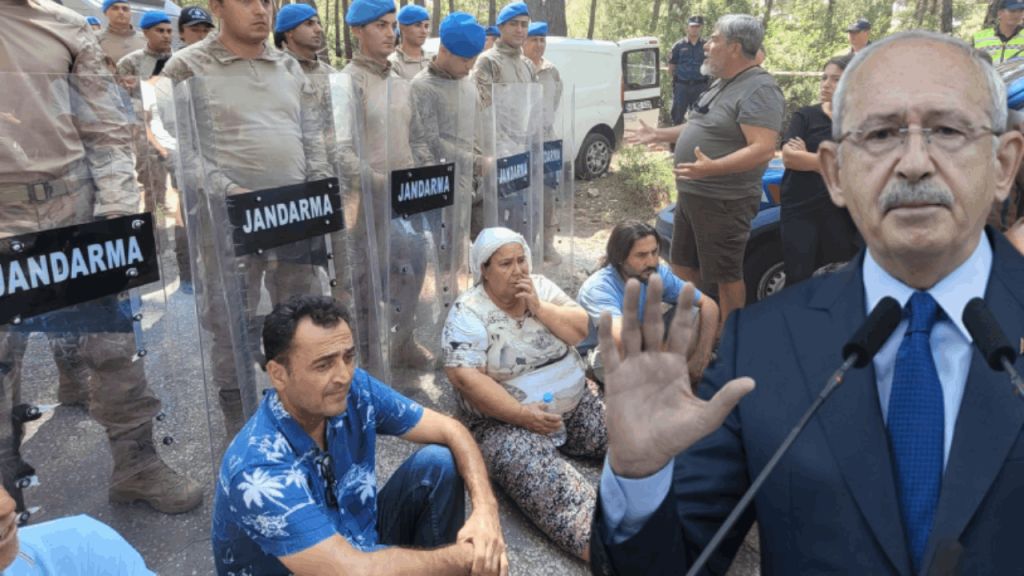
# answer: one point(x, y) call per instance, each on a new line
point(833, 383)
point(1015, 378)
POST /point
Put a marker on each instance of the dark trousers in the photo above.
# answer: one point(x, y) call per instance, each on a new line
point(423, 504)
point(683, 96)
point(814, 234)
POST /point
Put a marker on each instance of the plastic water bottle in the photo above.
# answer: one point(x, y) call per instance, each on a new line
point(558, 436)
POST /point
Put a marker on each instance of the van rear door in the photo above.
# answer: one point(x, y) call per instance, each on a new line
point(641, 87)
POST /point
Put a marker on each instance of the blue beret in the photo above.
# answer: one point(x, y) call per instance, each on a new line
point(92, 20)
point(538, 29)
point(291, 15)
point(362, 12)
point(411, 14)
point(512, 10)
point(493, 31)
point(108, 3)
point(152, 18)
point(461, 35)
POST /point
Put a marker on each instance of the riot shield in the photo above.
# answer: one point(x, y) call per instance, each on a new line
point(97, 407)
point(270, 217)
point(513, 189)
point(554, 256)
point(430, 164)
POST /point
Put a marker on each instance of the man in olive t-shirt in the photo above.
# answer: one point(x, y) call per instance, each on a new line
point(721, 154)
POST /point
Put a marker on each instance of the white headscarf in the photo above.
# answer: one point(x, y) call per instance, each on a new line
point(489, 241)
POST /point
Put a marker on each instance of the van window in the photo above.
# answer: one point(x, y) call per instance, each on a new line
point(640, 69)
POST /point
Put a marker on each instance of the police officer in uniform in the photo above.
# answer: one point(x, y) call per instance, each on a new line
point(547, 74)
point(492, 33)
point(248, 84)
point(136, 67)
point(70, 169)
point(386, 130)
point(119, 38)
point(684, 64)
point(194, 24)
point(414, 27)
point(505, 63)
point(1003, 41)
point(299, 33)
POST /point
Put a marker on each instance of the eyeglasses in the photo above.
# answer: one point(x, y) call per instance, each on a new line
point(886, 139)
point(325, 466)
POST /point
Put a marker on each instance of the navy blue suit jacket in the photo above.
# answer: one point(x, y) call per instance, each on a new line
point(831, 507)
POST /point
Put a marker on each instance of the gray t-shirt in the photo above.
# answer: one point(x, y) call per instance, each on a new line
point(751, 98)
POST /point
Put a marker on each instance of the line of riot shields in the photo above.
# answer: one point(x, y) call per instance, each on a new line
point(370, 199)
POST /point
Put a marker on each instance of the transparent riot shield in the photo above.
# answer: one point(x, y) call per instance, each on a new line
point(99, 408)
point(270, 217)
point(430, 164)
point(513, 189)
point(554, 253)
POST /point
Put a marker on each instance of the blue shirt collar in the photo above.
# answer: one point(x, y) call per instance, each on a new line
point(296, 435)
point(967, 281)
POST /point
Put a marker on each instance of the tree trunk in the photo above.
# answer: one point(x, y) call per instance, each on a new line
point(993, 11)
point(555, 12)
point(947, 16)
point(402, 3)
point(451, 8)
point(593, 13)
point(919, 11)
point(767, 13)
point(436, 19)
point(337, 28)
point(348, 35)
point(491, 12)
point(419, 2)
point(654, 18)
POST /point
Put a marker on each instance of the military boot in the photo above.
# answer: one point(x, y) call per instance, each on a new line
point(408, 351)
point(551, 256)
point(231, 407)
point(140, 474)
point(75, 379)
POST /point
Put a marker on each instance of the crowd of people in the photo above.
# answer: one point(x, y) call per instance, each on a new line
point(642, 370)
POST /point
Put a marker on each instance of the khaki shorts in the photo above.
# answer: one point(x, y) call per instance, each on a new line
point(711, 234)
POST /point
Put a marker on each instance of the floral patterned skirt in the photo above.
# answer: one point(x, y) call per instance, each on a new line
point(537, 475)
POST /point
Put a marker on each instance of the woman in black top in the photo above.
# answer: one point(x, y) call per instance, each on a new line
point(815, 232)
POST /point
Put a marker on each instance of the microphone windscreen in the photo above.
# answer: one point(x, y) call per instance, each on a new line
point(875, 330)
point(987, 334)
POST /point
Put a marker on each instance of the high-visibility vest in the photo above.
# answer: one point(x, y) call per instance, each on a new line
point(1000, 51)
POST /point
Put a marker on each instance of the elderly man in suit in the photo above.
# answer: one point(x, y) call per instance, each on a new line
point(915, 463)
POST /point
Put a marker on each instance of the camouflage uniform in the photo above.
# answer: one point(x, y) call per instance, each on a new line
point(80, 146)
point(152, 171)
point(548, 76)
point(267, 134)
point(406, 67)
point(117, 44)
point(502, 64)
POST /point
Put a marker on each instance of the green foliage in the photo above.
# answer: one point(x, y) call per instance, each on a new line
point(647, 176)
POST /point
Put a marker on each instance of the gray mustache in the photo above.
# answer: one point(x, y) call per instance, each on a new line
point(903, 192)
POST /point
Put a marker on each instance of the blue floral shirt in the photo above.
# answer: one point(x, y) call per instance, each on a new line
point(272, 489)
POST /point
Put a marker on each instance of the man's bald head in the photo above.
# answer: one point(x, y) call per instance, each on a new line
point(887, 53)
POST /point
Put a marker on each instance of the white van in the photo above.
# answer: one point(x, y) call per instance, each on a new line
point(139, 7)
point(616, 83)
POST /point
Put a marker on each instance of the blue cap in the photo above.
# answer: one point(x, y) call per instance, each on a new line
point(108, 3)
point(93, 20)
point(1012, 5)
point(549, 397)
point(291, 15)
point(493, 31)
point(461, 35)
point(512, 10)
point(362, 12)
point(152, 18)
point(411, 14)
point(538, 29)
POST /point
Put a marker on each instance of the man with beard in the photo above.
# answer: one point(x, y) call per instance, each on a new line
point(633, 252)
point(299, 33)
point(414, 27)
point(720, 157)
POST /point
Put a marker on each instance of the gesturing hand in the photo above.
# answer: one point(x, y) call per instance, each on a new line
point(651, 412)
point(483, 531)
point(700, 168)
point(643, 135)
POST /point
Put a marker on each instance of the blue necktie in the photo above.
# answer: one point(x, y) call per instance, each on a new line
point(916, 420)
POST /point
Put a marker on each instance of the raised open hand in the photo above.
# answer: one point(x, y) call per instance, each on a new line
point(651, 412)
point(643, 135)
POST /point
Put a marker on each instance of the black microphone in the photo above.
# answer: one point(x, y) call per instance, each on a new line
point(858, 352)
point(991, 341)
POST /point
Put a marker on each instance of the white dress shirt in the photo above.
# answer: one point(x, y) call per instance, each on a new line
point(627, 504)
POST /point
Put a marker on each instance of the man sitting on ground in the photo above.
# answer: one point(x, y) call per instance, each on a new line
point(298, 487)
point(633, 252)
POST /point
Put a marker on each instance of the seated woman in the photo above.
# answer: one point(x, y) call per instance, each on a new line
point(507, 342)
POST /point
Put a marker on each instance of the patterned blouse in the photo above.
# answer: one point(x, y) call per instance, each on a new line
point(478, 334)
